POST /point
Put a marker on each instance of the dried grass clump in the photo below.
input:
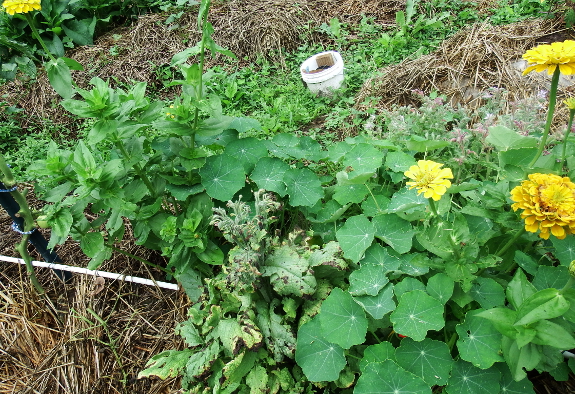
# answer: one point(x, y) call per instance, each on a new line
point(383, 11)
point(48, 345)
point(464, 66)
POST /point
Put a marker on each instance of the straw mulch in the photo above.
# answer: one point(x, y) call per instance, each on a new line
point(53, 345)
point(465, 66)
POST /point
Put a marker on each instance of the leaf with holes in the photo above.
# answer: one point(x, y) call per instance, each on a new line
point(319, 359)
point(303, 186)
point(394, 231)
point(269, 173)
point(428, 359)
point(389, 378)
point(369, 279)
point(343, 321)
point(355, 237)
point(248, 151)
point(440, 287)
point(363, 158)
point(377, 306)
point(488, 293)
point(416, 314)
point(479, 342)
point(222, 177)
point(465, 378)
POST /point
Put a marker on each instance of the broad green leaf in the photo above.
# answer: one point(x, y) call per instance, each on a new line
point(406, 199)
point(92, 243)
point(303, 187)
point(479, 341)
point(167, 364)
point(389, 378)
point(526, 262)
point(289, 273)
point(338, 150)
point(188, 331)
point(355, 237)
point(440, 287)
point(243, 124)
point(343, 321)
point(488, 293)
point(406, 285)
point(60, 77)
point(521, 359)
point(510, 386)
point(394, 231)
point(519, 289)
point(191, 282)
point(564, 249)
point(465, 378)
point(550, 277)
point(330, 212)
point(377, 306)
point(419, 144)
point(377, 354)
point(504, 139)
point(257, 380)
point(369, 279)
point(416, 314)
point(378, 255)
point(319, 359)
point(428, 359)
point(363, 158)
point(502, 319)
point(269, 173)
point(222, 177)
point(545, 304)
point(552, 334)
point(414, 264)
point(399, 161)
point(350, 193)
point(375, 205)
point(248, 151)
point(199, 362)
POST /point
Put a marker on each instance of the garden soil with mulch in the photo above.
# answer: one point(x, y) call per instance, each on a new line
point(53, 344)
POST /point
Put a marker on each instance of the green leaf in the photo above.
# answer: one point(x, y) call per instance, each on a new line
point(375, 205)
point(479, 341)
point(343, 321)
point(545, 304)
point(399, 161)
point(363, 158)
point(416, 314)
point(377, 354)
point(440, 287)
point(428, 359)
point(519, 289)
point(406, 285)
point(406, 199)
point(564, 250)
point(423, 145)
point(303, 187)
point(200, 362)
point(355, 236)
point(465, 378)
point(377, 306)
point(369, 279)
point(269, 173)
point(60, 78)
point(488, 293)
point(521, 359)
point(167, 364)
point(526, 262)
point(257, 380)
point(92, 243)
point(550, 277)
point(504, 139)
point(61, 222)
point(192, 284)
point(552, 334)
point(502, 319)
point(289, 273)
point(319, 359)
point(189, 332)
point(394, 231)
point(389, 378)
point(510, 386)
point(221, 177)
point(243, 124)
point(378, 255)
point(350, 193)
point(248, 151)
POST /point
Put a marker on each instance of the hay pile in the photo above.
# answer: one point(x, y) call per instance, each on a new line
point(465, 66)
point(47, 345)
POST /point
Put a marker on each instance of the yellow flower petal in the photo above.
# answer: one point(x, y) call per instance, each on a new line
point(429, 178)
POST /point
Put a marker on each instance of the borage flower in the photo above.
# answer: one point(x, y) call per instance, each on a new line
point(429, 178)
point(548, 203)
point(21, 6)
point(550, 56)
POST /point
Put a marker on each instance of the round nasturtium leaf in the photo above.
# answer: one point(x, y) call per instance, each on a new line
point(389, 378)
point(222, 177)
point(319, 359)
point(440, 287)
point(247, 151)
point(377, 354)
point(369, 279)
point(428, 359)
point(363, 158)
point(343, 321)
point(377, 306)
point(488, 293)
point(303, 187)
point(479, 342)
point(417, 313)
point(465, 378)
point(355, 237)
point(269, 173)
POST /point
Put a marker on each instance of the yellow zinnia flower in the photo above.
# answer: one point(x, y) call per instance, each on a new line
point(21, 6)
point(570, 102)
point(550, 56)
point(429, 178)
point(548, 203)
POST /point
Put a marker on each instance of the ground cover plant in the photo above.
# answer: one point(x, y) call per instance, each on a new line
point(432, 253)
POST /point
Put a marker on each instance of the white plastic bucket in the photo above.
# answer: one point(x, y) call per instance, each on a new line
point(322, 81)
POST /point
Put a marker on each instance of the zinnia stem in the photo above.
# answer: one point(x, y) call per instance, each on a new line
point(550, 111)
point(432, 206)
point(509, 243)
point(569, 125)
point(37, 36)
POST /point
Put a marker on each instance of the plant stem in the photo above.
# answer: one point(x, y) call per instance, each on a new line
point(37, 36)
point(550, 111)
point(137, 168)
point(200, 86)
point(509, 243)
point(569, 125)
point(432, 206)
point(140, 259)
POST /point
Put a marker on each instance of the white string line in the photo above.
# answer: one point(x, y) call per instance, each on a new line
point(79, 270)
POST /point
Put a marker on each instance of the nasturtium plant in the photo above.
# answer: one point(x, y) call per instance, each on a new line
point(416, 314)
